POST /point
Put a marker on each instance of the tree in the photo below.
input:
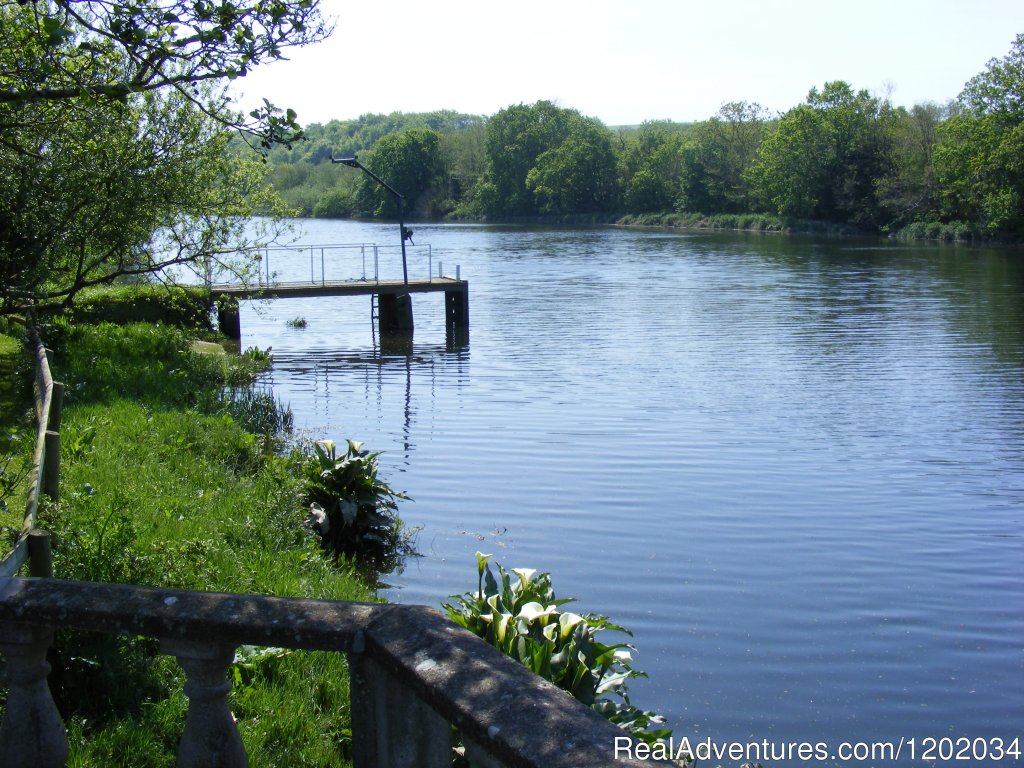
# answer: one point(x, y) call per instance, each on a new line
point(999, 90)
point(516, 137)
point(113, 136)
point(790, 176)
point(578, 175)
point(464, 157)
point(410, 162)
point(980, 160)
point(652, 167)
point(720, 153)
point(71, 50)
point(910, 190)
point(824, 157)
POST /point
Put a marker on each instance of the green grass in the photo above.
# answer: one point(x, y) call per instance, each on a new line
point(162, 485)
point(9, 345)
point(956, 231)
point(187, 307)
point(743, 222)
point(16, 432)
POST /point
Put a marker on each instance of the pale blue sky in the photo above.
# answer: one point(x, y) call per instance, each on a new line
point(626, 61)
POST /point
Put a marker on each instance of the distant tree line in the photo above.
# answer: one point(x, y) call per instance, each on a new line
point(843, 156)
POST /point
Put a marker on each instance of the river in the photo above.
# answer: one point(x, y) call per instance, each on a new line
point(793, 466)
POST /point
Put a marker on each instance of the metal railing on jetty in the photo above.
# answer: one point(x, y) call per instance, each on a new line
point(413, 673)
point(362, 262)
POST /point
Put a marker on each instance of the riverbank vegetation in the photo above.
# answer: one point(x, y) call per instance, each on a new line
point(170, 478)
point(175, 474)
point(518, 613)
point(843, 159)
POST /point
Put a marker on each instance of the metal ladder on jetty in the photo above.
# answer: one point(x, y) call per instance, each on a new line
point(374, 316)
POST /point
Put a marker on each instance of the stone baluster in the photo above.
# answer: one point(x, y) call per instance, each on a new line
point(210, 738)
point(32, 734)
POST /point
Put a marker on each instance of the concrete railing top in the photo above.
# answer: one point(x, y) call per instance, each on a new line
point(503, 709)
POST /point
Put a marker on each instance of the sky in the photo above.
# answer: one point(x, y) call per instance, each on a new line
point(629, 61)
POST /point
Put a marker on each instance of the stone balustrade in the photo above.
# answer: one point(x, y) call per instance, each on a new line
point(413, 673)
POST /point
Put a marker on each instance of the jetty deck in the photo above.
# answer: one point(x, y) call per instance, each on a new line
point(303, 289)
point(332, 272)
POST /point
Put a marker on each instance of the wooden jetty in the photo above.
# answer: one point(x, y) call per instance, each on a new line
point(392, 300)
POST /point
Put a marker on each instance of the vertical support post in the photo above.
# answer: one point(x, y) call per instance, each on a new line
point(404, 236)
point(32, 735)
point(391, 725)
point(394, 314)
point(457, 308)
point(210, 738)
point(56, 406)
point(456, 326)
point(51, 465)
point(40, 558)
point(228, 318)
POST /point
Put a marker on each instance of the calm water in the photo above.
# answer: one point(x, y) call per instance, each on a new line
point(794, 467)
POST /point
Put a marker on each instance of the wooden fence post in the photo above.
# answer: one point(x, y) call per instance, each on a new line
point(56, 406)
point(40, 558)
point(51, 465)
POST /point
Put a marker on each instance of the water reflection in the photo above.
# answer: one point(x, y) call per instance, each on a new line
point(371, 377)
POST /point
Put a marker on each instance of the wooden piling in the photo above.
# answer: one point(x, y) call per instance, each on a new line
point(228, 320)
point(394, 314)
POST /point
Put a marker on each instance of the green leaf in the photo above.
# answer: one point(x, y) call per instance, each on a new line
point(55, 32)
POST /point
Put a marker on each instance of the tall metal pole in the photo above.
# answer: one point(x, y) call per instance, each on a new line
point(399, 308)
point(401, 229)
point(353, 162)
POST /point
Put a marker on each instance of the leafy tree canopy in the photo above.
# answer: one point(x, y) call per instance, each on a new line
point(999, 90)
point(410, 162)
point(113, 138)
point(70, 50)
point(823, 157)
point(979, 161)
point(579, 174)
point(516, 137)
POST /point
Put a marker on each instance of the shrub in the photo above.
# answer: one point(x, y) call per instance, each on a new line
point(954, 231)
point(353, 509)
point(334, 204)
point(519, 614)
point(184, 307)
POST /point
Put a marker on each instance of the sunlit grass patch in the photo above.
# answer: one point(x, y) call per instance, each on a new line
point(165, 483)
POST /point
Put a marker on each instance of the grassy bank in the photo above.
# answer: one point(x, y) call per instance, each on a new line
point(167, 481)
point(15, 428)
